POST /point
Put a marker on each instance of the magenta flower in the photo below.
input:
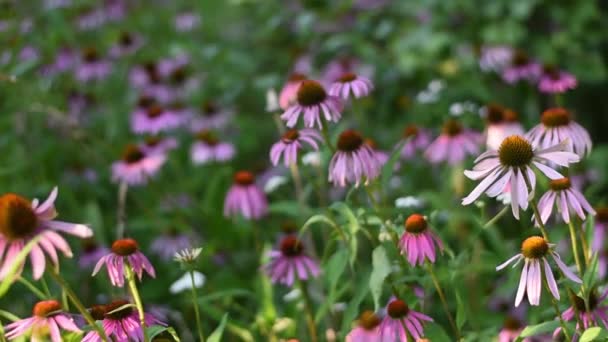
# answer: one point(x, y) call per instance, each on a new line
point(127, 44)
point(166, 245)
point(91, 253)
point(353, 162)
point(534, 251)
point(92, 67)
point(511, 330)
point(556, 125)
point(555, 81)
point(312, 101)
point(381, 156)
point(119, 325)
point(521, 68)
point(349, 83)
point(22, 221)
point(290, 263)
point(501, 123)
point(136, 167)
point(155, 119)
point(207, 148)
point(599, 230)
point(418, 242)
point(245, 198)
point(566, 198)
point(145, 75)
point(503, 170)
point(595, 315)
point(124, 252)
point(158, 145)
point(47, 319)
point(289, 92)
point(400, 321)
point(366, 329)
point(454, 144)
point(64, 61)
point(291, 142)
point(210, 117)
point(416, 139)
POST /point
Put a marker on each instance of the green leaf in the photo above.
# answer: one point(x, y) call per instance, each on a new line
point(594, 334)
point(319, 218)
point(10, 275)
point(591, 273)
point(335, 267)
point(216, 335)
point(353, 227)
point(387, 169)
point(461, 313)
point(542, 328)
point(381, 269)
point(156, 330)
point(352, 309)
point(434, 332)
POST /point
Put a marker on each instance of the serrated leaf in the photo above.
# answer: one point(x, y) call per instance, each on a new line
point(9, 278)
point(594, 334)
point(216, 335)
point(542, 328)
point(381, 268)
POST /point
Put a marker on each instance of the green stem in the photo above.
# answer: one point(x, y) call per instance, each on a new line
point(121, 210)
point(443, 300)
point(325, 134)
point(585, 245)
point(74, 299)
point(496, 217)
point(199, 326)
point(138, 303)
point(534, 206)
point(559, 314)
point(32, 288)
point(310, 320)
point(575, 248)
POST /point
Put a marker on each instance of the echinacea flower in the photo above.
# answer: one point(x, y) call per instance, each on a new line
point(155, 119)
point(418, 242)
point(145, 75)
point(366, 329)
point(124, 253)
point(127, 44)
point(521, 68)
point(92, 67)
point(555, 81)
point(557, 125)
point(381, 156)
point(501, 123)
point(534, 252)
point(495, 58)
point(566, 198)
point(91, 253)
point(511, 168)
point(188, 255)
point(22, 220)
point(349, 83)
point(591, 314)
point(289, 92)
point(353, 162)
point(120, 322)
point(600, 229)
point(245, 198)
point(290, 262)
point(511, 329)
point(158, 145)
point(187, 21)
point(401, 321)
point(207, 148)
point(47, 319)
point(210, 117)
point(416, 139)
point(313, 102)
point(136, 167)
point(291, 142)
point(454, 144)
point(169, 243)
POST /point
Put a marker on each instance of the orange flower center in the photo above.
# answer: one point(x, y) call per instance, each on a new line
point(97, 312)
point(555, 117)
point(520, 58)
point(416, 223)
point(410, 131)
point(290, 136)
point(154, 111)
point(132, 154)
point(209, 108)
point(291, 246)
point(347, 77)
point(124, 247)
point(369, 320)
point(244, 178)
point(452, 128)
point(534, 247)
point(310, 93)
point(494, 113)
point(17, 218)
point(296, 77)
point(560, 184)
point(120, 314)
point(515, 151)
point(46, 308)
point(349, 140)
point(512, 324)
point(397, 309)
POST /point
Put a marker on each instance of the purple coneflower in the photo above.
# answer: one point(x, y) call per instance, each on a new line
point(154, 119)
point(349, 83)
point(557, 125)
point(566, 198)
point(289, 92)
point(187, 21)
point(501, 123)
point(600, 229)
point(495, 58)
point(353, 162)
point(590, 314)
point(144, 75)
point(521, 68)
point(401, 321)
point(511, 329)
point(291, 142)
point(290, 263)
point(124, 250)
point(245, 198)
point(207, 148)
point(504, 169)
point(22, 220)
point(91, 253)
point(92, 67)
point(454, 144)
point(534, 251)
point(158, 145)
point(416, 139)
point(64, 61)
point(127, 44)
point(555, 81)
point(366, 329)
point(119, 324)
point(381, 156)
point(169, 243)
point(418, 242)
point(136, 167)
point(210, 117)
point(313, 102)
point(47, 319)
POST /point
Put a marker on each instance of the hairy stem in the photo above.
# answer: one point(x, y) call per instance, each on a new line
point(136, 297)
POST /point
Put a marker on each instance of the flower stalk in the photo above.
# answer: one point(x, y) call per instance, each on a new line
point(137, 298)
point(199, 326)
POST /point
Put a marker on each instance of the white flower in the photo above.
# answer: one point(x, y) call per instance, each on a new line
point(187, 255)
point(274, 183)
point(272, 101)
point(436, 86)
point(292, 295)
point(312, 158)
point(185, 283)
point(408, 202)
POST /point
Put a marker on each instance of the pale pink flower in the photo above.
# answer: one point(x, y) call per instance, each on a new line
point(416, 139)
point(245, 198)
point(158, 145)
point(350, 83)
point(566, 198)
point(366, 329)
point(47, 319)
point(592, 314)
point(289, 92)
point(353, 162)
point(556, 126)
point(290, 263)
point(155, 119)
point(313, 102)
point(521, 68)
point(555, 81)
point(401, 321)
point(207, 148)
point(136, 167)
point(418, 242)
point(453, 145)
point(291, 142)
point(501, 123)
